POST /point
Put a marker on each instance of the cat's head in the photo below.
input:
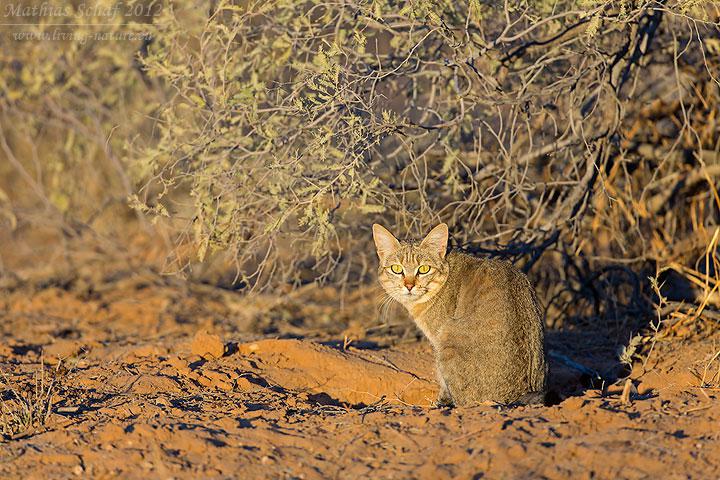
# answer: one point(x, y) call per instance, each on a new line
point(412, 272)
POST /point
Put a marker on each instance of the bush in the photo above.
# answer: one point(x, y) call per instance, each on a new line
point(576, 137)
point(578, 133)
point(72, 108)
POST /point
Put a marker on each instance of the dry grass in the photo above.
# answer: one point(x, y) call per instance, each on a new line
point(707, 372)
point(25, 407)
point(698, 313)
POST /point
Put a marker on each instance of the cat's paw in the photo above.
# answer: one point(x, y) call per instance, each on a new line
point(444, 401)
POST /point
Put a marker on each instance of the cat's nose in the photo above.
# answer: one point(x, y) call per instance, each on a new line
point(409, 287)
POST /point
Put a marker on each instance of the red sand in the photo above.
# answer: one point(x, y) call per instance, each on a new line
point(135, 399)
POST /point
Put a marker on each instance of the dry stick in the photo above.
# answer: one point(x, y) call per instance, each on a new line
point(546, 149)
point(660, 200)
point(698, 278)
point(625, 398)
point(696, 409)
point(711, 247)
point(707, 367)
point(568, 362)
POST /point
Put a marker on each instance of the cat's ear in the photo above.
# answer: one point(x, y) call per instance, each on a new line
point(385, 242)
point(437, 240)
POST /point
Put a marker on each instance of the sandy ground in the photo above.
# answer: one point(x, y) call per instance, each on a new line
point(158, 381)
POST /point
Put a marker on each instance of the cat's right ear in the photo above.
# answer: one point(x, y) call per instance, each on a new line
point(385, 242)
point(437, 239)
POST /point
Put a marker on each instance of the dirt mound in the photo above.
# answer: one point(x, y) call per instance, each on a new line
point(351, 377)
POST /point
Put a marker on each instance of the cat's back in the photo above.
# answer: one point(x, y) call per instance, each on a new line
point(491, 288)
point(492, 342)
point(470, 274)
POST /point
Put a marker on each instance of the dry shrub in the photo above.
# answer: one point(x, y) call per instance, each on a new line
point(74, 103)
point(577, 138)
point(681, 316)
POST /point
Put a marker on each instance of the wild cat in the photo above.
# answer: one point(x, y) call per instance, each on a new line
point(481, 316)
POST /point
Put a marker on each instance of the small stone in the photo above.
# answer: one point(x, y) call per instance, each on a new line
point(177, 362)
point(207, 346)
point(145, 351)
point(573, 403)
point(220, 385)
point(204, 381)
point(60, 350)
point(192, 358)
point(243, 384)
point(248, 348)
point(219, 376)
point(516, 451)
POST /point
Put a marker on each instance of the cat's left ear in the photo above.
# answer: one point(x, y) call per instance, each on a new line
point(437, 240)
point(385, 242)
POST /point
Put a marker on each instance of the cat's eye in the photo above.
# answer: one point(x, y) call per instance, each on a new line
point(396, 269)
point(423, 269)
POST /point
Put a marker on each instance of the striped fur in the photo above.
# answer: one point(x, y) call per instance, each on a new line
point(481, 316)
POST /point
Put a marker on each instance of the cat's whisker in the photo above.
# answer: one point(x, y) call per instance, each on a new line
point(385, 309)
point(382, 300)
point(386, 301)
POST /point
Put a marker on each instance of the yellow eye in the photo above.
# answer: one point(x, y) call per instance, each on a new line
point(397, 269)
point(423, 269)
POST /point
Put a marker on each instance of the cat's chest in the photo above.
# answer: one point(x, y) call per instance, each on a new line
point(430, 318)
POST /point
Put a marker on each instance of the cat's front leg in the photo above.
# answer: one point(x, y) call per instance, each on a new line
point(444, 399)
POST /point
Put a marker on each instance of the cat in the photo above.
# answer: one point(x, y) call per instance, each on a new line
point(481, 317)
